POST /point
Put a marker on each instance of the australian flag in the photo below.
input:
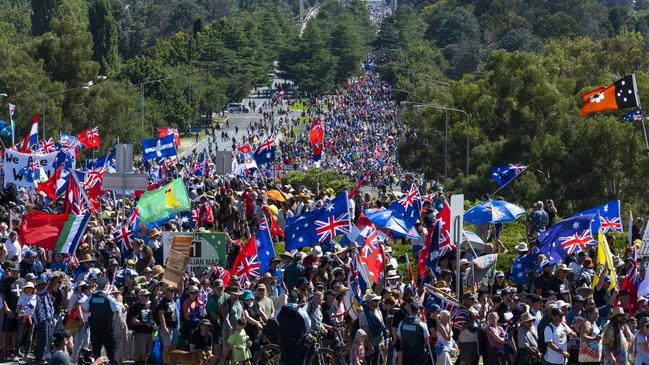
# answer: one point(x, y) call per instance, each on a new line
point(265, 153)
point(522, 266)
point(569, 236)
point(506, 173)
point(265, 249)
point(609, 216)
point(408, 207)
point(633, 116)
point(319, 225)
point(199, 165)
point(105, 163)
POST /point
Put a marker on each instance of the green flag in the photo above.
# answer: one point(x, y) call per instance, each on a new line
point(163, 202)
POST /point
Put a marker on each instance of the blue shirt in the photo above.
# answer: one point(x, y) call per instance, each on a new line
point(44, 307)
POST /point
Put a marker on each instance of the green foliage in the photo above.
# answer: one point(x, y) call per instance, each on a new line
point(103, 28)
point(331, 48)
point(313, 177)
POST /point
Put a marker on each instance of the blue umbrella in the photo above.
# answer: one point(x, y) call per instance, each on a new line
point(493, 211)
point(384, 218)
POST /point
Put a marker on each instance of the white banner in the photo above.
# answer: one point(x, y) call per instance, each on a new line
point(14, 161)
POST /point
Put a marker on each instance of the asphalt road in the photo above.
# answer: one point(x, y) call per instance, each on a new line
point(241, 120)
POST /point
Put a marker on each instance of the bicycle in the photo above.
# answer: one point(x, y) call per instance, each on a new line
point(267, 353)
point(319, 355)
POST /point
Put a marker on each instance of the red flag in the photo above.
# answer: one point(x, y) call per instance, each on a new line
point(358, 186)
point(630, 283)
point(424, 253)
point(246, 265)
point(90, 138)
point(163, 132)
point(377, 152)
point(445, 244)
point(372, 255)
point(221, 273)
point(316, 135)
point(275, 229)
point(49, 186)
point(620, 94)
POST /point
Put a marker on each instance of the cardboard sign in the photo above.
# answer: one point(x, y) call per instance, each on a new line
point(14, 161)
point(205, 249)
point(175, 268)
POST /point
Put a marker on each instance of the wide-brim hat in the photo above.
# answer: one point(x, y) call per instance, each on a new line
point(86, 258)
point(29, 285)
point(235, 290)
point(154, 232)
point(157, 270)
point(585, 289)
point(286, 254)
point(316, 251)
point(563, 267)
point(369, 297)
point(526, 317)
point(342, 289)
point(392, 275)
point(617, 311)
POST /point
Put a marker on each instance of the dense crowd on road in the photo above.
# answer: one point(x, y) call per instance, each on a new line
point(109, 300)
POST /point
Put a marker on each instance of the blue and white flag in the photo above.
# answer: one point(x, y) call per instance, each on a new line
point(633, 116)
point(568, 236)
point(506, 173)
point(158, 147)
point(610, 219)
point(265, 249)
point(265, 153)
point(319, 225)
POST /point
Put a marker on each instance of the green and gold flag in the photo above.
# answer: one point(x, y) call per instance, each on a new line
point(163, 202)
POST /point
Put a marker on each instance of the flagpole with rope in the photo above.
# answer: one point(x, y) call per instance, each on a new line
point(644, 130)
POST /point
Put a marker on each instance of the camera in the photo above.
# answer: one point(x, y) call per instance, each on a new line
point(85, 357)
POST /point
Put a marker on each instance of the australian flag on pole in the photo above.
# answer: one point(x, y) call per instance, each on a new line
point(408, 207)
point(265, 153)
point(523, 265)
point(265, 249)
point(569, 236)
point(319, 225)
point(633, 116)
point(506, 173)
point(609, 216)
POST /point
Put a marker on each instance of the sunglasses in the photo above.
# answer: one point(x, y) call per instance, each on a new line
point(193, 292)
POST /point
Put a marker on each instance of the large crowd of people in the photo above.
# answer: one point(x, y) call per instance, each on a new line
point(107, 304)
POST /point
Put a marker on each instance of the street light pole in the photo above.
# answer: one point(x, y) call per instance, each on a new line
point(142, 107)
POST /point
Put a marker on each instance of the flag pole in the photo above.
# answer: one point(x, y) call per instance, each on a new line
point(644, 131)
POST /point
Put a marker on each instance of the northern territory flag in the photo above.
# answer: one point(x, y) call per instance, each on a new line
point(620, 94)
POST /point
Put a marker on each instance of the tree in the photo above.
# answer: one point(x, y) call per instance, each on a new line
point(103, 27)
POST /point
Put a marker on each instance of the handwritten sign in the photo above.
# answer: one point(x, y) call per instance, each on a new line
point(175, 268)
point(14, 161)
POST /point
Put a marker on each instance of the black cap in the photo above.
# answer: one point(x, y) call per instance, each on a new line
point(330, 292)
point(578, 299)
point(550, 292)
point(60, 336)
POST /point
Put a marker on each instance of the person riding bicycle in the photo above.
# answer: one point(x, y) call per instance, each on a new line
point(414, 336)
point(294, 324)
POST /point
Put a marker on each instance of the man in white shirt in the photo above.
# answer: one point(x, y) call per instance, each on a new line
point(556, 337)
point(14, 251)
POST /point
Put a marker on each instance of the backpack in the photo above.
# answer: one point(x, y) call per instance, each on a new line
point(543, 346)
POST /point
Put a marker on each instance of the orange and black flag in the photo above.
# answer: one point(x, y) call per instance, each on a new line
point(620, 94)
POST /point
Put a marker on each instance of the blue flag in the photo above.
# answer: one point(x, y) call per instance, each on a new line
point(199, 165)
point(433, 247)
point(609, 216)
point(265, 153)
point(265, 249)
point(408, 207)
point(633, 116)
point(506, 173)
point(105, 163)
point(319, 225)
point(69, 141)
point(568, 236)
point(158, 147)
point(523, 265)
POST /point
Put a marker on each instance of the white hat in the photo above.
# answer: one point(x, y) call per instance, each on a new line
point(561, 304)
point(316, 251)
point(521, 247)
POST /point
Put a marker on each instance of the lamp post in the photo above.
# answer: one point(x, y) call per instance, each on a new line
point(446, 110)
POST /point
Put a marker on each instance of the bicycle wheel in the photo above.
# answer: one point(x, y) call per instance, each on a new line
point(324, 356)
point(267, 355)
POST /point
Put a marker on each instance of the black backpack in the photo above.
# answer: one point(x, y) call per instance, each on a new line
point(543, 346)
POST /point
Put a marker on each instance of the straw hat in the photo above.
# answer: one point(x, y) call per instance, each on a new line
point(369, 297)
point(154, 232)
point(521, 247)
point(86, 258)
point(526, 317)
point(392, 275)
point(617, 311)
point(158, 270)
